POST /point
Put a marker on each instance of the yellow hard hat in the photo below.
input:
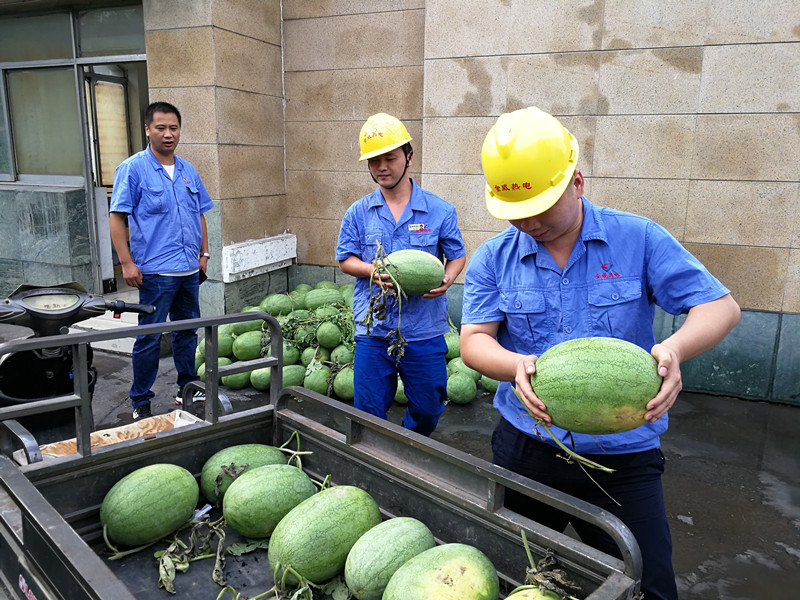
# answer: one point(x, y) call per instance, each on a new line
point(381, 133)
point(528, 159)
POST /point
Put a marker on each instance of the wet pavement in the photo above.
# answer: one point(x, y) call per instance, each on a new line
point(732, 481)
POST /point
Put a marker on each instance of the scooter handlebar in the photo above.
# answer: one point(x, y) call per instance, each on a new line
point(118, 307)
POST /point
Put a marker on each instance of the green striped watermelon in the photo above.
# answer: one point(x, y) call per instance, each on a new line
point(315, 537)
point(235, 457)
point(416, 272)
point(149, 504)
point(596, 385)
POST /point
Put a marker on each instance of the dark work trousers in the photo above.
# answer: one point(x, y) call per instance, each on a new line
point(423, 370)
point(635, 485)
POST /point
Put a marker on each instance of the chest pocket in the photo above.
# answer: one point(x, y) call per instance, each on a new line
point(429, 242)
point(614, 308)
point(154, 200)
point(527, 319)
point(371, 240)
point(193, 196)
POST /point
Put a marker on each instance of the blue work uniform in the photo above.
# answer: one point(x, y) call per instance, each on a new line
point(621, 267)
point(427, 223)
point(165, 238)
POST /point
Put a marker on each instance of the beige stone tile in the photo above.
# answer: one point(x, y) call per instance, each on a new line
point(198, 112)
point(192, 49)
point(204, 158)
point(252, 218)
point(583, 130)
point(259, 19)
point(176, 13)
point(354, 93)
point(476, 28)
point(393, 39)
point(791, 292)
point(755, 276)
point(249, 118)
point(562, 84)
point(466, 87)
point(654, 23)
point(243, 63)
point(662, 200)
point(554, 26)
point(754, 147)
point(654, 146)
point(653, 81)
point(333, 146)
point(303, 9)
point(743, 213)
point(251, 171)
point(466, 193)
point(453, 145)
point(751, 78)
point(316, 240)
point(324, 194)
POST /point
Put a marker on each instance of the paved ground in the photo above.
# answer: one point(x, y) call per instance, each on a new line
point(732, 483)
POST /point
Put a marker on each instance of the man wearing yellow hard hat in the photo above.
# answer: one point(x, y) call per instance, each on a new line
point(399, 215)
point(567, 269)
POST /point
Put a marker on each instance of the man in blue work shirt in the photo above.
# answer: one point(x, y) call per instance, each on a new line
point(567, 269)
point(163, 199)
point(399, 215)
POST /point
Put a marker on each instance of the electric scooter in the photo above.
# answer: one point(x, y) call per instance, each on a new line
point(39, 374)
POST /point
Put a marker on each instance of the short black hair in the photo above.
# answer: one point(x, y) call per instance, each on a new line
point(162, 107)
point(407, 149)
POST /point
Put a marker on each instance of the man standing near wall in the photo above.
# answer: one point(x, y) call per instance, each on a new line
point(163, 199)
point(546, 280)
point(399, 215)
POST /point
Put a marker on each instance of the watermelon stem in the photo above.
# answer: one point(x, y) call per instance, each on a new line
point(571, 453)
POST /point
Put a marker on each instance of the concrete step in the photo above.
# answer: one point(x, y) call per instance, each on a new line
point(107, 322)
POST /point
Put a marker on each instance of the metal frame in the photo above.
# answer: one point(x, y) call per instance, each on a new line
point(49, 521)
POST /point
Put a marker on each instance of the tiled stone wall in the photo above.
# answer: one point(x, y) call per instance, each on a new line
point(220, 63)
point(686, 113)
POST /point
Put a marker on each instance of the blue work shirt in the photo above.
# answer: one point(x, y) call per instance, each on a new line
point(428, 223)
point(620, 268)
point(163, 212)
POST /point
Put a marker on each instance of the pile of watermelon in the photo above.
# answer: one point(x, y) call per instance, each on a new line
point(317, 534)
point(318, 329)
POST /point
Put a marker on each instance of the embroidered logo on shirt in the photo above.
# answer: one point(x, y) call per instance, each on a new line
point(418, 228)
point(607, 272)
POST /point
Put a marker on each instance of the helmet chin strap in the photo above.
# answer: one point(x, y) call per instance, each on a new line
point(396, 183)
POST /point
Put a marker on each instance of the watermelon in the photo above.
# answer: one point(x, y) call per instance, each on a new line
point(315, 537)
point(532, 592)
point(453, 341)
point(148, 504)
point(258, 499)
point(489, 384)
point(450, 571)
point(326, 285)
point(260, 378)
point(343, 354)
point(415, 271)
point(326, 310)
point(199, 355)
point(400, 394)
point(277, 304)
point(321, 354)
point(382, 550)
point(305, 335)
point(225, 344)
point(303, 287)
point(249, 345)
point(461, 388)
point(329, 335)
point(343, 384)
point(237, 381)
point(457, 365)
point(240, 328)
point(322, 296)
point(293, 375)
point(249, 455)
point(318, 380)
point(298, 299)
point(596, 385)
